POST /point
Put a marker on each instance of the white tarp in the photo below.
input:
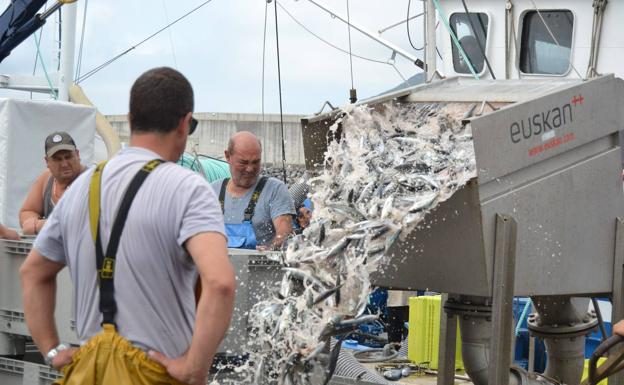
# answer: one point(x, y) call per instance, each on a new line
point(24, 125)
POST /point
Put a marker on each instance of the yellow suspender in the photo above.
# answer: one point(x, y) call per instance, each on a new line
point(94, 199)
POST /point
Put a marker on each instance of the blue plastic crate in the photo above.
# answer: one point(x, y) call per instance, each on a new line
point(594, 339)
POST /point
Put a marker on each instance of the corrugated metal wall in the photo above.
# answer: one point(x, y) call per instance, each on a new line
point(214, 131)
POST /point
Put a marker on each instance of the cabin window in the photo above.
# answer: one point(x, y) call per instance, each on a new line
point(462, 25)
point(539, 53)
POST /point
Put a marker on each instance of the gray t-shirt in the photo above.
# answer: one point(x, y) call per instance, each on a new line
point(273, 202)
point(154, 275)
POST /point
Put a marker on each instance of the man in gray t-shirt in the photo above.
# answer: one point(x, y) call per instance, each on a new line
point(173, 238)
point(272, 217)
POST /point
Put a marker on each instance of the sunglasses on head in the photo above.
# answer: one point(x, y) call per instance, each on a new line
point(192, 126)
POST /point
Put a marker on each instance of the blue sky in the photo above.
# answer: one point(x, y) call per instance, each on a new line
point(219, 48)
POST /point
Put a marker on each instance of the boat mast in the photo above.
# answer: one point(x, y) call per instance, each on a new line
point(68, 49)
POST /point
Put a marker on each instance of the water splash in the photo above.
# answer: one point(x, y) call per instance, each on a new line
point(393, 165)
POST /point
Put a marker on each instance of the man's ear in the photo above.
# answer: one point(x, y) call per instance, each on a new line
point(227, 155)
point(183, 124)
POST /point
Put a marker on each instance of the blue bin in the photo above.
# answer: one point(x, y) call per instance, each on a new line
point(593, 340)
point(521, 355)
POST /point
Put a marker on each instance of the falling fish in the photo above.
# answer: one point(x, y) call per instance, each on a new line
point(381, 177)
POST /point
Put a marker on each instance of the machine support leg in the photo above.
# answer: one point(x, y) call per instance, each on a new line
point(618, 288)
point(446, 352)
point(502, 315)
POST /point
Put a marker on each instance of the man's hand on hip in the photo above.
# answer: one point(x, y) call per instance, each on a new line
point(64, 357)
point(178, 369)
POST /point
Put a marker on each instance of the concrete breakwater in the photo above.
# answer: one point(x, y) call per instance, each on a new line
point(215, 129)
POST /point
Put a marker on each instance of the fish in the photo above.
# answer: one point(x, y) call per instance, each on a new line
point(357, 321)
point(382, 173)
point(320, 348)
point(333, 360)
point(304, 276)
point(423, 203)
point(328, 293)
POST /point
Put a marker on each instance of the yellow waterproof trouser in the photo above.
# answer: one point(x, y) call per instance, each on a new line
point(110, 359)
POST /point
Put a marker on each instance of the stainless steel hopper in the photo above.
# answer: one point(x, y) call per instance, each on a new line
point(542, 217)
point(561, 185)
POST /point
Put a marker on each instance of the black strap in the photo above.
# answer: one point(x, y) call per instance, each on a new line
point(222, 193)
point(106, 264)
point(251, 207)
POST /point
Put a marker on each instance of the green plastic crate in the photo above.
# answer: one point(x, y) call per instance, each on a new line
point(423, 340)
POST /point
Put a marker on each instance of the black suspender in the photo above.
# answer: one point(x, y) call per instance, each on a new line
point(222, 193)
point(106, 262)
point(251, 207)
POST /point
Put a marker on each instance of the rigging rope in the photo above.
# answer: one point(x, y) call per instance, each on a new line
point(34, 71)
point(454, 38)
point(599, 9)
point(474, 31)
point(173, 53)
point(399, 23)
point(266, 9)
point(352, 92)
point(398, 72)
point(45, 71)
point(391, 64)
point(279, 83)
point(409, 36)
point(327, 42)
point(82, 35)
point(106, 63)
point(554, 38)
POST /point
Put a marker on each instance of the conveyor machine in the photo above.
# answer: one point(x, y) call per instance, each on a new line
point(542, 218)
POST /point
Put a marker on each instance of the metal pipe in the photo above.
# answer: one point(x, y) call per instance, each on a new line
point(68, 47)
point(430, 41)
point(399, 23)
point(565, 359)
point(508, 21)
point(603, 330)
point(363, 30)
point(562, 322)
point(55, 7)
point(476, 334)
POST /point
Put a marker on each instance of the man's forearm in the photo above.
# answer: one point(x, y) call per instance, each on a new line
point(39, 302)
point(213, 314)
point(30, 222)
point(278, 240)
point(283, 228)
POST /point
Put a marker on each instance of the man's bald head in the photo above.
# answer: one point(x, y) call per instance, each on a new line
point(246, 140)
point(244, 155)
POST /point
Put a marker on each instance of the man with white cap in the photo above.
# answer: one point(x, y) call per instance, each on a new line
point(63, 161)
